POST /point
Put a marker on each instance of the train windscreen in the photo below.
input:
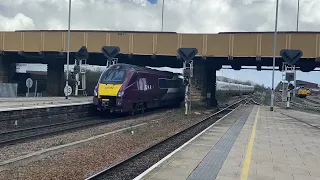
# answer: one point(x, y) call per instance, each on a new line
point(113, 76)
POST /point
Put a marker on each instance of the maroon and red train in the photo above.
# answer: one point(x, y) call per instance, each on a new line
point(128, 88)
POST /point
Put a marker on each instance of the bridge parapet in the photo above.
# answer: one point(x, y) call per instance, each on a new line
point(146, 43)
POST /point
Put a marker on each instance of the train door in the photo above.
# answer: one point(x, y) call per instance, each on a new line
point(143, 87)
point(134, 87)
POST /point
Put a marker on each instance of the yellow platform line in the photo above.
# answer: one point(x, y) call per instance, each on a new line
point(246, 166)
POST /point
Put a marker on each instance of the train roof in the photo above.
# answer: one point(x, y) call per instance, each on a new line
point(223, 82)
point(143, 69)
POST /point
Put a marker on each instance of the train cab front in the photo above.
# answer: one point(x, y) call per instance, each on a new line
point(108, 94)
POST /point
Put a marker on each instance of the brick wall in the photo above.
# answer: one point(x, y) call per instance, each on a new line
point(198, 83)
point(203, 82)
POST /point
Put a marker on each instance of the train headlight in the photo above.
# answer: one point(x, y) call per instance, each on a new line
point(120, 93)
point(95, 91)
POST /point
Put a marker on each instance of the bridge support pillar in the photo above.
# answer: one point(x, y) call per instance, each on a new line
point(7, 70)
point(197, 85)
point(211, 79)
point(203, 84)
point(55, 78)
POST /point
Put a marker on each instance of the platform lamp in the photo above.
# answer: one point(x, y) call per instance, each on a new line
point(274, 54)
point(68, 50)
point(295, 71)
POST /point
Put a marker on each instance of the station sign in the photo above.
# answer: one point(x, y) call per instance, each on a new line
point(29, 83)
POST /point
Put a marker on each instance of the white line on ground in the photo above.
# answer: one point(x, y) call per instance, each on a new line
point(178, 149)
point(34, 156)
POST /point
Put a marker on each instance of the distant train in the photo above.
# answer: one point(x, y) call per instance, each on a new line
point(234, 89)
point(302, 92)
point(132, 89)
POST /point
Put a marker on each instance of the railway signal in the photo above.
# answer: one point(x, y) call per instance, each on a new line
point(187, 54)
point(290, 86)
point(81, 59)
point(110, 52)
point(291, 56)
point(289, 76)
point(82, 53)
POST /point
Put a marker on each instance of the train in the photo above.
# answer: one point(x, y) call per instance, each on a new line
point(234, 89)
point(132, 89)
point(302, 92)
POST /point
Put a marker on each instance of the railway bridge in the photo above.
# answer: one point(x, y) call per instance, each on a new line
point(157, 49)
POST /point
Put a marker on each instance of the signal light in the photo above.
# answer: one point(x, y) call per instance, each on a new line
point(186, 72)
point(289, 76)
point(291, 86)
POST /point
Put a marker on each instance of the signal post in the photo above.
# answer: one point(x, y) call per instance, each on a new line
point(81, 59)
point(290, 57)
point(110, 52)
point(187, 54)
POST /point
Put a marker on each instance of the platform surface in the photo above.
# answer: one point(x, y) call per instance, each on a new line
point(252, 143)
point(9, 104)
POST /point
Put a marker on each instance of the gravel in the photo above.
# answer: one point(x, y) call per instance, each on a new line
point(9, 152)
point(94, 156)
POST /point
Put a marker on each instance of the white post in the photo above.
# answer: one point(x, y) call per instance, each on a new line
point(288, 98)
point(186, 100)
point(35, 89)
point(274, 55)
point(298, 14)
point(68, 50)
point(162, 15)
point(77, 85)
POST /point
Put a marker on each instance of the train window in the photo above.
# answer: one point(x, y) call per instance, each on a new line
point(168, 83)
point(142, 84)
point(113, 76)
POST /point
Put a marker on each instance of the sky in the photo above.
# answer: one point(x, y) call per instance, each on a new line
point(183, 16)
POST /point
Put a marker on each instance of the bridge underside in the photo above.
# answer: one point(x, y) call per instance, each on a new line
point(156, 50)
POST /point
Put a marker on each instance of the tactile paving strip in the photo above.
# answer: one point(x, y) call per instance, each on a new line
point(210, 166)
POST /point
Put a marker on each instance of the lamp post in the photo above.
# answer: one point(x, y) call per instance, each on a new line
point(68, 51)
point(162, 15)
point(298, 13)
point(274, 54)
point(295, 71)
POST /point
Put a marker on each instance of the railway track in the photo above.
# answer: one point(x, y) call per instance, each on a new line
point(312, 101)
point(138, 163)
point(22, 135)
point(300, 105)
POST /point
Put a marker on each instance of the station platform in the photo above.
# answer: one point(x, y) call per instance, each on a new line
point(24, 103)
point(251, 143)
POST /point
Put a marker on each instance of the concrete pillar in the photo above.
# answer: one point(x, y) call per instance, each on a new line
point(55, 77)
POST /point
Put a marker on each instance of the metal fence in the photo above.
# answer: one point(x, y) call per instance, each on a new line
point(8, 89)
